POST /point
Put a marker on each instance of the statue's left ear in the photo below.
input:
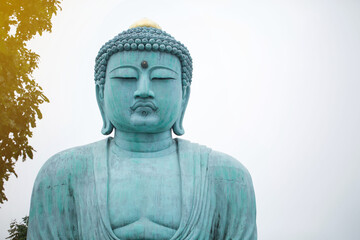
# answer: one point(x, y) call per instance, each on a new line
point(178, 128)
point(107, 125)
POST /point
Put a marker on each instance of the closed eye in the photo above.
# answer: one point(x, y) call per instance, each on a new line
point(162, 78)
point(125, 78)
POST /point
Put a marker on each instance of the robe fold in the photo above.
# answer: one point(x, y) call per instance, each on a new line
point(70, 196)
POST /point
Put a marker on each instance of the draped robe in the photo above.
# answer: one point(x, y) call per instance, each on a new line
point(69, 199)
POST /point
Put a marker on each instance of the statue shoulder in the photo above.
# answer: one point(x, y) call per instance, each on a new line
point(221, 166)
point(224, 167)
point(70, 161)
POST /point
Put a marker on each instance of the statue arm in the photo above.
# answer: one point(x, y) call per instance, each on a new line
point(52, 210)
point(246, 208)
point(235, 214)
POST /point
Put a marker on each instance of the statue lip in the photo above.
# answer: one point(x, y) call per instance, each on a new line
point(144, 104)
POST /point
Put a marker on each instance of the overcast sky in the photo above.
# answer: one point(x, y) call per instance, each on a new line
point(276, 84)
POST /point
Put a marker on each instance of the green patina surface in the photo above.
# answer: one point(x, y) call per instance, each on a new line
point(143, 183)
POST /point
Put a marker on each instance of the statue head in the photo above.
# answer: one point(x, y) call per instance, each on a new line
point(143, 78)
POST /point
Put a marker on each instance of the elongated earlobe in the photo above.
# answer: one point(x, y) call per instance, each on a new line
point(178, 128)
point(107, 125)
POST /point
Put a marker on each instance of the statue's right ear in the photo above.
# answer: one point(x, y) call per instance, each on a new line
point(107, 125)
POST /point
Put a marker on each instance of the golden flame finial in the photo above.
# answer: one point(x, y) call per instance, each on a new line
point(145, 23)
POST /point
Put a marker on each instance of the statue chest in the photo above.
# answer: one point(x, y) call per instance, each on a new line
point(144, 196)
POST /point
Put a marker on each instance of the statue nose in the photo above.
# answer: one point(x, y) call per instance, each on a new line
point(143, 90)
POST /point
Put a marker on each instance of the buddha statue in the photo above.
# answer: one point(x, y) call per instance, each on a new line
point(143, 183)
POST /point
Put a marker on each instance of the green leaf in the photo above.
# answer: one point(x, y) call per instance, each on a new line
point(20, 95)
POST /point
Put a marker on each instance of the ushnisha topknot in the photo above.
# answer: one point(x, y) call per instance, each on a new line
point(144, 35)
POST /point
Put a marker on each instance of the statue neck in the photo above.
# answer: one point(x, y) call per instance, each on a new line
point(143, 142)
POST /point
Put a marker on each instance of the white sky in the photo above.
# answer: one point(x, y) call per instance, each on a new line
point(276, 85)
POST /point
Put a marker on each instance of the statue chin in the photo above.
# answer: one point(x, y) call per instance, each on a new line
point(142, 183)
point(144, 117)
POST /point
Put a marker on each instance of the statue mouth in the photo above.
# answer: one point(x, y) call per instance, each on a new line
point(148, 104)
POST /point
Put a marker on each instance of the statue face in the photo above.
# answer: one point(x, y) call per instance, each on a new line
point(143, 91)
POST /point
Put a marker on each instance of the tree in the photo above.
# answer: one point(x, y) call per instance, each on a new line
point(18, 231)
point(20, 95)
